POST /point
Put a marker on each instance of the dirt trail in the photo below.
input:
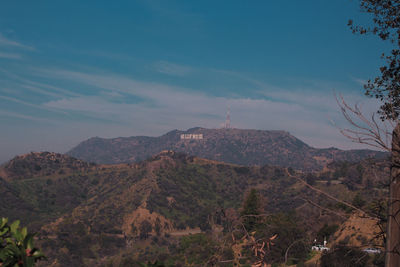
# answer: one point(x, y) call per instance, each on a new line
point(185, 232)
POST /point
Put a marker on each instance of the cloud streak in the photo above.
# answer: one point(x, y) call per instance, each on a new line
point(164, 107)
point(23, 116)
point(169, 68)
point(10, 55)
point(96, 102)
point(25, 103)
point(6, 42)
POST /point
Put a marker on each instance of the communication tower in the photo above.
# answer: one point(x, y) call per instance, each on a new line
point(228, 119)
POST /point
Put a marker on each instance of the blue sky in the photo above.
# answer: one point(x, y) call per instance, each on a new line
point(71, 70)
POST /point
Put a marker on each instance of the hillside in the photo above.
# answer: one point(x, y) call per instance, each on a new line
point(41, 164)
point(237, 146)
point(39, 186)
point(94, 215)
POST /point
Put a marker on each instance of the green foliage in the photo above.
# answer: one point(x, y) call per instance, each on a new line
point(43, 164)
point(378, 260)
point(157, 226)
point(326, 231)
point(343, 207)
point(189, 193)
point(288, 232)
point(198, 191)
point(342, 256)
point(204, 223)
point(385, 87)
point(145, 229)
point(16, 246)
point(358, 201)
point(197, 248)
point(251, 208)
point(152, 264)
point(278, 232)
point(310, 179)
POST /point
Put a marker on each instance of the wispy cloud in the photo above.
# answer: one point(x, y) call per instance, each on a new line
point(23, 116)
point(10, 49)
point(172, 68)
point(312, 94)
point(6, 42)
point(359, 81)
point(10, 55)
point(25, 103)
point(41, 88)
point(167, 107)
point(47, 89)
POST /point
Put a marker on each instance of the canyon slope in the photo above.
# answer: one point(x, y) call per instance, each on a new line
point(91, 214)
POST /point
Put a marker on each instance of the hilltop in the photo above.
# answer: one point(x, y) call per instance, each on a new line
point(41, 164)
point(237, 146)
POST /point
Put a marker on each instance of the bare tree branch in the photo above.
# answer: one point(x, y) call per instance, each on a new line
point(329, 196)
point(323, 208)
point(364, 130)
point(288, 248)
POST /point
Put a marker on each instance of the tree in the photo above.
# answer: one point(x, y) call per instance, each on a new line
point(386, 88)
point(145, 229)
point(251, 210)
point(365, 130)
point(358, 201)
point(343, 256)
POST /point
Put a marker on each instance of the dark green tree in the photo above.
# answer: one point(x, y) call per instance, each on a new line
point(197, 249)
point(358, 201)
point(251, 210)
point(157, 226)
point(326, 231)
point(385, 87)
point(342, 256)
point(145, 229)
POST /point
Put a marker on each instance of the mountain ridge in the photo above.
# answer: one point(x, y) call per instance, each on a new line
point(41, 163)
point(238, 146)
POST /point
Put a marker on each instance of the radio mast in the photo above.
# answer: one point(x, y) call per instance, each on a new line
point(228, 119)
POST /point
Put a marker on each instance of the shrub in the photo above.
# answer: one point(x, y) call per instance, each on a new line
point(16, 245)
point(343, 256)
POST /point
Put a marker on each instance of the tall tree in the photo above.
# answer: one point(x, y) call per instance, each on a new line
point(386, 88)
point(251, 210)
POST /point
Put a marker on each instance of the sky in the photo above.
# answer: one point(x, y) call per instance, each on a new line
point(71, 70)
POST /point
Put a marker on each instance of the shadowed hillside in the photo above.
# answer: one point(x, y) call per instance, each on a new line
point(244, 147)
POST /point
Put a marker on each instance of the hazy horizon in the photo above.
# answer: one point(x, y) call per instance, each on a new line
point(184, 130)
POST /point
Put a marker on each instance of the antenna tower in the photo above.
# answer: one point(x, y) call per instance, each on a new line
point(228, 119)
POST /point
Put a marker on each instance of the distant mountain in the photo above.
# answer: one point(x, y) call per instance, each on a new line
point(237, 146)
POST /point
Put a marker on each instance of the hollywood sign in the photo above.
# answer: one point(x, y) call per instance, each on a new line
point(191, 136)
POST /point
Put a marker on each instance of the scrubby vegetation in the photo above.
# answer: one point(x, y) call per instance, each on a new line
point(179, 210)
